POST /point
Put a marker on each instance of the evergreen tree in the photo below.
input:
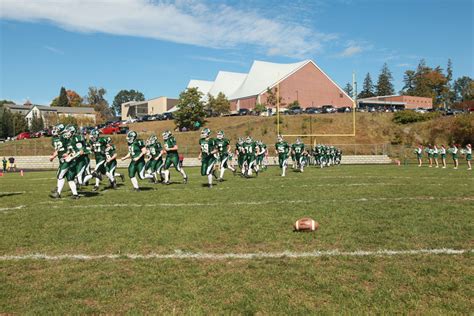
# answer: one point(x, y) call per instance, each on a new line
point(37, 124)
point(384, 83)
point(95, 98)
point(63, 100)
point(348, 89)
point(190, 109)
point(409, 80)
point(367, 88)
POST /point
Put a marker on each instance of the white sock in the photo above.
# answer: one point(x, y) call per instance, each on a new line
point(110, 176)
point(134, 182)
point(72, 186)
point(61, 185)
point(284, 170)
point(167, 175)
point(222, 173)
point(97, 182)
point(183, 173)
point(87, 178)
point(209, 178)
point(117, 174)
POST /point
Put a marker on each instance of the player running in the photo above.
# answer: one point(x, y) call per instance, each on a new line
point(60, 148)
point(223, 146)
point(262, 154)
point(98, 145)
point(298, 152)
point(282, 149)
point(172, 157)
point(111, 163)
point(208, 150)
point(136, 152)
point(154, 165)
point(251, 152)
point(241, 157)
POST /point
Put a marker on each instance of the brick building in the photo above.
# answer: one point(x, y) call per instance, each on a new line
point(396, 101)
point(304, 82)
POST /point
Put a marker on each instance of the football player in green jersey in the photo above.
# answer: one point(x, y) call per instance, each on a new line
point(251, 152)
point(241, 157)
point(262, 153)
point(74, 149)
point(136, 152)
point(154, 165)
point(82, 161)
point(111, 163)
point(282, 149)
point(208, 151)
point(298, 150)
point(223, 145)
point(98, 145)
point(60, 147)
point(172, 157)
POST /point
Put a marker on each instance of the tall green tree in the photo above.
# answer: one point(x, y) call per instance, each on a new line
point(96, 99)
point(348, 89)
point(272, 99)
point(62, 99)
point(368, 89)
point(384, 83)
point(126, 96)
point(218, 105)
point(190, 109)
point(37, 123)
point(464, 89)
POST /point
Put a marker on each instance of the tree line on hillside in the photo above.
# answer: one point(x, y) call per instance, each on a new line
point(424, 81)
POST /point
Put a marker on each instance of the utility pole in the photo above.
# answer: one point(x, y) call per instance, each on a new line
point(354, 88)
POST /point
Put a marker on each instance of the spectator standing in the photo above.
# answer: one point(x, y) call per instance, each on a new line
point(4, 163)
point(11, 160)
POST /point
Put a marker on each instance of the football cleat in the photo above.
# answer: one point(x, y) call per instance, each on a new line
point(185, 180)
point(95, 188)
point(55, 195)
point(75, 197)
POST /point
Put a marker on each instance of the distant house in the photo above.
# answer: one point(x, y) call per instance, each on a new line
point(160, 105)
point(18, 108)
point(48, 113)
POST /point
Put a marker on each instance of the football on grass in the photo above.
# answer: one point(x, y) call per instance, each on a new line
point(306, 225)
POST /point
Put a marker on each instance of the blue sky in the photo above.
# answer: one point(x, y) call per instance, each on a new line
point(156, 47)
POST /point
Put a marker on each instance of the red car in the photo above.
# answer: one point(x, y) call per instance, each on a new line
point(109, 130)
point(24, 135)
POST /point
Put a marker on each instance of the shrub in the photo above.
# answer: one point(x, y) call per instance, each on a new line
point(407, 117)
point(462, 130)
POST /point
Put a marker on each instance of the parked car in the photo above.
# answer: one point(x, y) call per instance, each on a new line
point(109, 130)
point(328, 109)
point(157, 117)
point(312, 110)
point(295, 111)
point(344, 109)
point(244, 112)
point(168, 116)
point(420, 110)
point(24, 135)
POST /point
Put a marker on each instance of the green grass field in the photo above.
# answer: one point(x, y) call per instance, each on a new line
point(359, 208)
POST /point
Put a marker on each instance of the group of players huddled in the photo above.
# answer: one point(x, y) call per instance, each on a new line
point(151, 160)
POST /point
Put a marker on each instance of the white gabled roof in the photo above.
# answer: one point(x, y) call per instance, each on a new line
point(202, 85)
point(227, 83)
point(263, 75)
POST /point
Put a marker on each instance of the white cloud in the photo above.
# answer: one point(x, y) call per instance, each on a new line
point(216, 60)
point(191, 22)
point(353, 48)
point(404, 65)
point(54, 50)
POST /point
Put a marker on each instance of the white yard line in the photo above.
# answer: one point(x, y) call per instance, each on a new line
point(255, 255)
point(117, 205)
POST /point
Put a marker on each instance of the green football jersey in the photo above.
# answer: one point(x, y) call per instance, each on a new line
point(110, 151)
point(170, 143)
point(282, 147)
point(240, 149)
point(250, 148)
point(298, 148)
point(207, 146)
point(99, 147)
point(135, 148)
point(263, 149)
point(60, 145)
point(222, 145)
point(154, 150)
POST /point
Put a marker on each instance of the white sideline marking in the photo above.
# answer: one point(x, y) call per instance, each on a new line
point(257, 255)
point(420, 198)
point(6, 193)
point(6, 209)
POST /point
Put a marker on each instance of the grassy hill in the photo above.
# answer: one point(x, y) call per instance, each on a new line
point(375, 133)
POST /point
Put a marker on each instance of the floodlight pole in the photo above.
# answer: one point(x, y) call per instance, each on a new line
point(278, 109)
